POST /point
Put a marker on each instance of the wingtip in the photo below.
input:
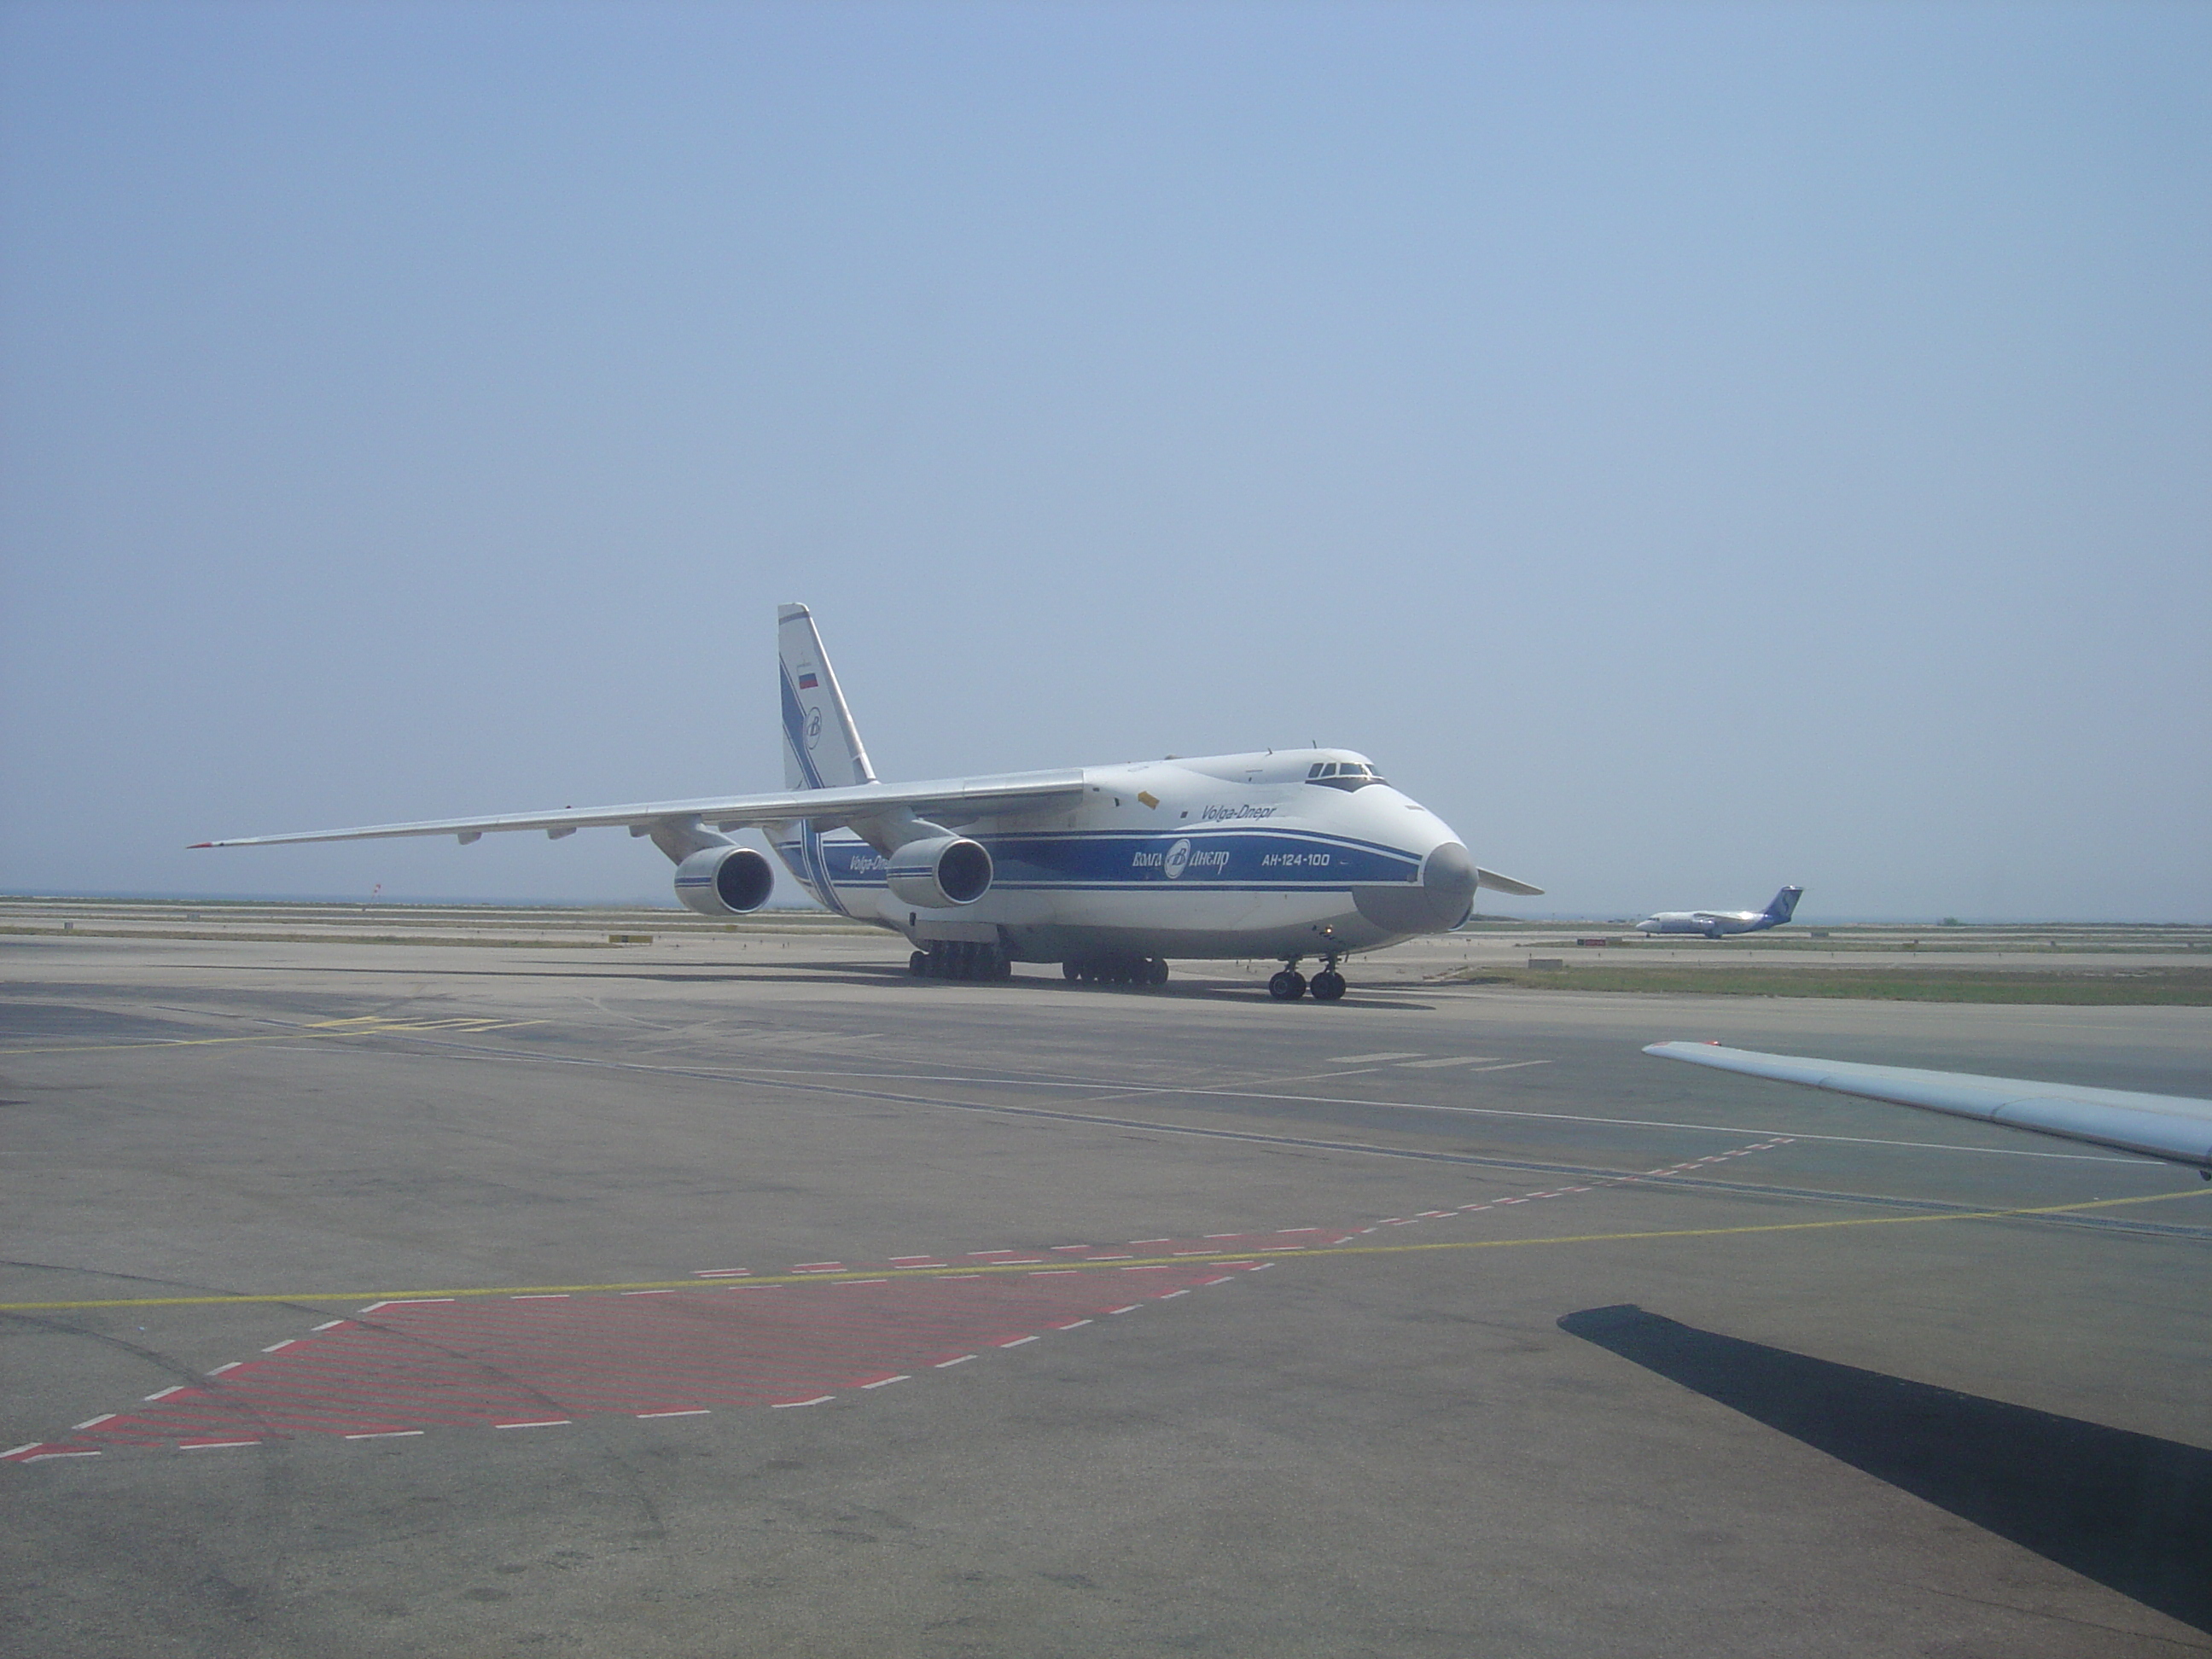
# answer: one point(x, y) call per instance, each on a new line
point(195, 845)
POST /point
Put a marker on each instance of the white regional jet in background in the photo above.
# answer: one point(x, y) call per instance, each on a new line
point(1715, 924)
point(2176, 1127)
point(1107, 870)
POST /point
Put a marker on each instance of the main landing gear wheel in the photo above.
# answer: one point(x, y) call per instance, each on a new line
point(1289, 986)
point(1328, 985)
point(918, 963)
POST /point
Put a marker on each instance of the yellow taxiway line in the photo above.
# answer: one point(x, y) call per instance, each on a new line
point(1064, 1263)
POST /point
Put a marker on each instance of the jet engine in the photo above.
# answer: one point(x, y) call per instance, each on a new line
point(940, 871)
point(725, 881)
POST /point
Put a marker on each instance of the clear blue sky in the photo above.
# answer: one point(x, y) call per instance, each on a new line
point(1691, 447)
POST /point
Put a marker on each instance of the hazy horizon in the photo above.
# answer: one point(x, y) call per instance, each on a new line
point(1690, 447)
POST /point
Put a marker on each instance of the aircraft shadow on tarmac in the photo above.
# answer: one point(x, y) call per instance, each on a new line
point(2130, 1511)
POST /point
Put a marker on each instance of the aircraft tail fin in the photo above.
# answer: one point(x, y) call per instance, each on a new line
point(821, 745)
point(1784, 904)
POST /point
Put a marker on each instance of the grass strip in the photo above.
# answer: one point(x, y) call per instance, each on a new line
point(2135, 987)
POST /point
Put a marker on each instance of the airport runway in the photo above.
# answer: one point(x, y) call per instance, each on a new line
point(398, 1299)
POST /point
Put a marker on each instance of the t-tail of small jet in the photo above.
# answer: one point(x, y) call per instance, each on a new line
point(1784, 904)
point(821, 745)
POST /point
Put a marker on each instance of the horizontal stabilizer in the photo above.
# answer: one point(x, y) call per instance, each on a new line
point(2178, 1127)
point(1491, 879)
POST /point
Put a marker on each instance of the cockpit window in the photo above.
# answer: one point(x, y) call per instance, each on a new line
point(1343, 775)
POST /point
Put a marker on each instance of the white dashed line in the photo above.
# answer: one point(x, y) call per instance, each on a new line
point(1169, 1296)
point(1131, 1308)
point(385, 1434)
point(1016, 1342)
point(230, 1365)
point(1072, 1325)
point(279, 1347)
point(786, 1405)
point(174, 1388)
point(90, 1423)
point(327, 1325)
point(1361, 1059)
point(699, 1411)
point(959, 1359)
point(886, 1381)
point(537, 1423)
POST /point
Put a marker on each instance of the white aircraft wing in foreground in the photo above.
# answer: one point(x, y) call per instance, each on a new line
point(2176, 1127)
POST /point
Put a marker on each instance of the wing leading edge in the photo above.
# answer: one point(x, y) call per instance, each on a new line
point(962, 800)
point(2176, 1127)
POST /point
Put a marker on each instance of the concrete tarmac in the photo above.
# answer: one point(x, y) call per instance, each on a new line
point(1438, 1321)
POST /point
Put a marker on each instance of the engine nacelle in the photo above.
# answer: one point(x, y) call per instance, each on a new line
point(725, 881)
point(941, 871)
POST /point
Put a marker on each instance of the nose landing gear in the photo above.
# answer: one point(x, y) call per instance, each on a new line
point(1327, 986)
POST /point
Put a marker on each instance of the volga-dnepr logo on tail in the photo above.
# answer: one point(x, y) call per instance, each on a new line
point(1110, 871)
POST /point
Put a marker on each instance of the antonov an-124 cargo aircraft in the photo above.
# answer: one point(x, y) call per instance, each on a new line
point(1111, 871)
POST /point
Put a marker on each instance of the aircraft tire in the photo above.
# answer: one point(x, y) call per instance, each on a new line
point(1157, 971)
point(1328, 986)
point(1288, 986)
point(1071, 971)
point(918, 963)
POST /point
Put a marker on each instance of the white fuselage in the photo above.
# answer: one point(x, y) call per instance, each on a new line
point(1713, 924)
point(1283, 853)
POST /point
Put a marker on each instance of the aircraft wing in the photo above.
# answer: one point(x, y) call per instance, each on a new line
point(1506, 884)
point(2178, 1127)
point(959, 799)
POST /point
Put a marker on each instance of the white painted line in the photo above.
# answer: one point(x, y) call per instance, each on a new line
point(1072, 1325)
point(719, 1272)
point(782, 1405)
point(46, 1456)
point(417, 1302)
point(1109, 1258)
point(92, 1422)
point(1016, 1342)
point(229, 1365)
point(374, 1306)
point(886, 1381)
point(1170, 1296)
point(1438, 1065)
point(538, 1423)
point(1228, 1235)
point(213, 1445)
point(1048, 1272)
point(1297, 1229)
point(1223, 1280)
point(1361, 1059)
point(279, 1347)
point(1151, 1241)
point(385, 1434)
point(1131, 1308)
point(701, 1411)
point(174, 1388)
point(327, 1325)
point(1261, 1268)
point(540, 1295)
point(962, 1360)
point(879, 1281)
point(648, 1292)
point(960, 1275)
point(17, 1451)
